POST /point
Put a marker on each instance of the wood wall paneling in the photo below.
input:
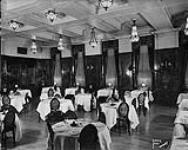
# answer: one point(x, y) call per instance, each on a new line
point(67, 74)
point(125, 71)
point(167, 76)
point(93, 71)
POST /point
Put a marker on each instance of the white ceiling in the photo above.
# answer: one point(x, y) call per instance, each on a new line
point(151, 15)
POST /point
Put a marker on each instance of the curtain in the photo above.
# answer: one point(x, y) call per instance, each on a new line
point(111, 72)
point(57, 72)
point(144, 72)
point(110, 62)
point(79, 64)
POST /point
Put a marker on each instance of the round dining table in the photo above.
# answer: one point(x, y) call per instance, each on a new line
point(64, 130)
point(44, 107)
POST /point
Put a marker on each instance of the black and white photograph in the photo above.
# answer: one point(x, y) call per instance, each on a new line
point(94, 75)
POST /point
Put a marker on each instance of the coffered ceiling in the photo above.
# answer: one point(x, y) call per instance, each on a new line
point(81, 15)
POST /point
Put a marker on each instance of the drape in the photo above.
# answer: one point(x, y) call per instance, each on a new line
point(57, 72)
point(110, 62)
point(111, 72)
point(79, 64)
point(80, 74)
point(144, 72)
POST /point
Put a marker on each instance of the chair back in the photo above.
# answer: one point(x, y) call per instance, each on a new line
point(88, 138)
point(102, 117)
point(70, 115)
point(141, 98)
point(9, 120)
point(54, 104)
point(123, 110)
point(102, 99)
point(70, 97)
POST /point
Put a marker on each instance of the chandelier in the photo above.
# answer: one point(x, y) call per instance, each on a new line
point(34, 46)
point(93, 41)
point(60, 45)
point(186, 27)
point(15, 24)
point(134, 33)
point(106, 3)
point(51, 15)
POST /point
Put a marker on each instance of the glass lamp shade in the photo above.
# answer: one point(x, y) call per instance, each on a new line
point(186, 27)
point(60, 45)
point(14, 25)
point(34, 47)
point(106, 4)
point(93, 41)
point(51, 15)
point(134, 34)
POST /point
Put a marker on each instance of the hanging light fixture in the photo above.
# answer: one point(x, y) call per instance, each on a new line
point(34, 46)
point(134, 33)
point(15, 24)
point(186, 27)
point(106, 3)
point(93, 41)
point(51, 15)
point(60, 45)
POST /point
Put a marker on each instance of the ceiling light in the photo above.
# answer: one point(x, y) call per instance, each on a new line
point(186, 27)
point(106, 3)
point(134, 33)
point(15, 24)
point(60, 44)
point(93, 41)
point(34, 46)
point(51, 15)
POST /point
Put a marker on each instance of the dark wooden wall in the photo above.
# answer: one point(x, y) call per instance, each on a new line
point(25, 71)
point(94, 71)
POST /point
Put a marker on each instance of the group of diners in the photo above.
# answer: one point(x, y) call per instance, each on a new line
point(55, 110)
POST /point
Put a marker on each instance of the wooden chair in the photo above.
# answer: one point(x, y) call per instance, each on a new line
point(88, 138)
point(9, 126)
point(123, 120)
point(70, 115)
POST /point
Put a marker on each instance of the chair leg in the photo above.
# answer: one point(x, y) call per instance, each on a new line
point(3, 139)
point(128, 127)
point(14, 138)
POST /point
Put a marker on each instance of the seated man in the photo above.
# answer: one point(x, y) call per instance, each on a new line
point(6, 106)
point(142, 104)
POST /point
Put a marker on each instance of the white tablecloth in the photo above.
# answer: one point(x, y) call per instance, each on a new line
point(83, 100)
point(44, 93)
point(112, 115)
point(44, 107)
point(107, 92)
point(71, 90)
point(181, 117)
point(19, 100)
point(63, 130)
point(181, 96)
point(183, 105)
point(179, 144)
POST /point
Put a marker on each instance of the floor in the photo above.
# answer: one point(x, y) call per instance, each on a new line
point(157, 124)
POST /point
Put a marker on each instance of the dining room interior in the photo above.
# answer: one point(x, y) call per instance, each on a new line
point(94, 74)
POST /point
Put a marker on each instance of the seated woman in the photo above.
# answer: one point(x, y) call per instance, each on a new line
point(50, 93)
point(55, 114)
point(6, 106)
point(142, 104)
